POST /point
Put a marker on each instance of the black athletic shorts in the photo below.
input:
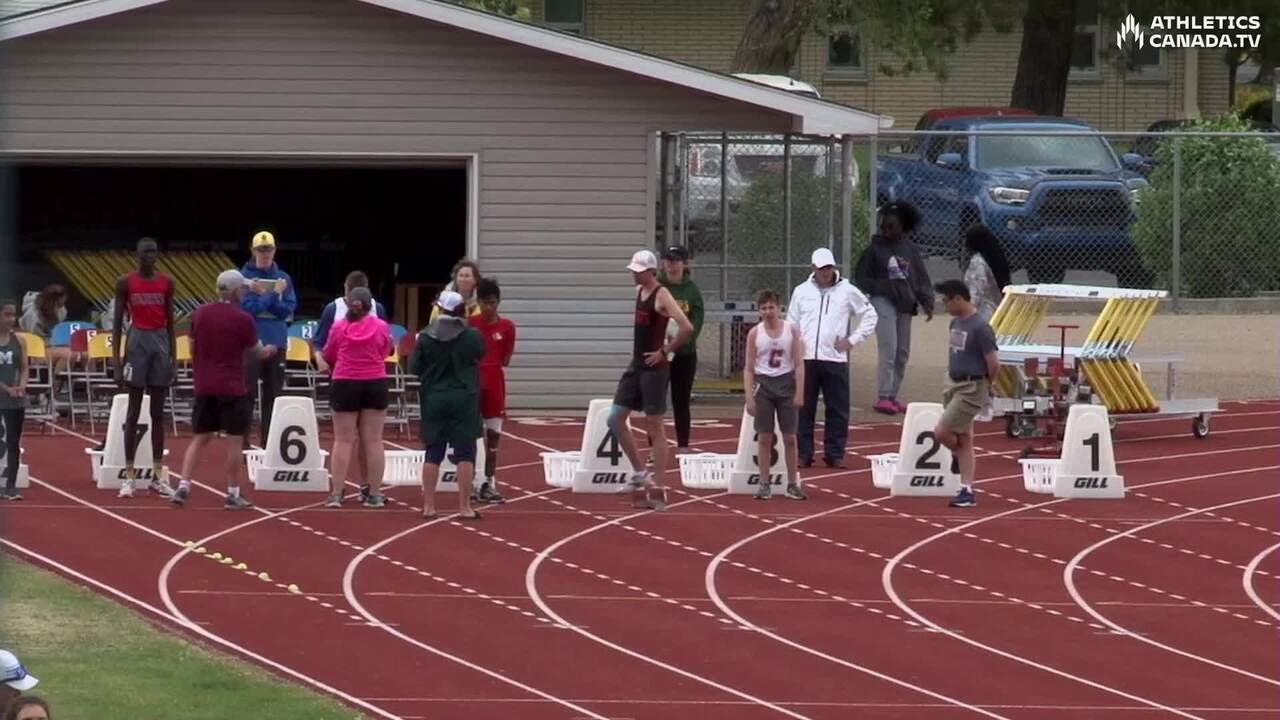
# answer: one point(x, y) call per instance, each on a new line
point(221, 413)
point(357, 395)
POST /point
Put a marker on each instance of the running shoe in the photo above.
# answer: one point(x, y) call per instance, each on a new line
point(334, 501)
point(765, 491)
point(236, 502)
point(375, 501)
point(885, 406)
point(11, 494)
point(126, 488)
point(795, 492)
point(964, 499)
point(180, 496)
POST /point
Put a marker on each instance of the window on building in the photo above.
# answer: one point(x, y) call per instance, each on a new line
point(565, 15)
point(1084, 50)
point(844, 53)
point(1146, 60)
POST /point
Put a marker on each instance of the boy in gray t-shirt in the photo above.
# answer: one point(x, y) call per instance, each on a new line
point(972, 361)
point(13, 398)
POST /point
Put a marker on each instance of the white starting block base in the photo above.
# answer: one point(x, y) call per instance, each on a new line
point(292, 460)
point(447, 482)
point(1088, 467)
point(603, 467)
point(107, 467)
point(925, 467)
point(746, 476)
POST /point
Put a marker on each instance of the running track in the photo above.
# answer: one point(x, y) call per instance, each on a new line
point(852, 605)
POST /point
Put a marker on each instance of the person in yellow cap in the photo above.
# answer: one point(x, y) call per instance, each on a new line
point(271, 301)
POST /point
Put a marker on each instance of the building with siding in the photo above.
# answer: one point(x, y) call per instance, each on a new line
point(1164, 83)
point(556, 134)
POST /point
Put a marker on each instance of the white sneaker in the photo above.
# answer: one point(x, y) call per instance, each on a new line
point(160, 488)
point(126, 488)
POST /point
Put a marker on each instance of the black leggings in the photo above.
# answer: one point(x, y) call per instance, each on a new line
point(683, 368)
point(12, 432)
point(157, 395)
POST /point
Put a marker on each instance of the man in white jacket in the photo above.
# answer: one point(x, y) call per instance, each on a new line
point(820, 307)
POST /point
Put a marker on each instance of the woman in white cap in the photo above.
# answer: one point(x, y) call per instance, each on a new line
point(446, 361)
point(14, 678)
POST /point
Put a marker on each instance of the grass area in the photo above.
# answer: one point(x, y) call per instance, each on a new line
point(96, 659)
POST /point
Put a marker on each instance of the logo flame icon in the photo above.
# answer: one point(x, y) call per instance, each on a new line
point(1129, 27)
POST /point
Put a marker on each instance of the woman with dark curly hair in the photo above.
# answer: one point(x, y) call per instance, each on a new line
point(28, 708)
point(987, 273)
point(892, 274)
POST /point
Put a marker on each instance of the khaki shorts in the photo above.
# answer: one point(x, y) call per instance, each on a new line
point(775, 397)
point(963, 401)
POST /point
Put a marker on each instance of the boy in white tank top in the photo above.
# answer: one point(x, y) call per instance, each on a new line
point(774, 383)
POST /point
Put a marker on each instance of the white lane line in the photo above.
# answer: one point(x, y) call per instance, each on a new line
point(1068, 577)
point(1247, 580)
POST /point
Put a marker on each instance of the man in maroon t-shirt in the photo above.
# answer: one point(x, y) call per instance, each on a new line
point(223, 338)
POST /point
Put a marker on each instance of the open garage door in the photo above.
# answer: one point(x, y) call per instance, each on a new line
point(399, 224)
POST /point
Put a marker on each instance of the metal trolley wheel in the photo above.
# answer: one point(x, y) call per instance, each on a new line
point(1200, 426)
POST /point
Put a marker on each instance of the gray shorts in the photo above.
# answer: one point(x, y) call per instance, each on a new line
point(644, 389)
point(776, 396)
point(963, 401)
point(147, 362)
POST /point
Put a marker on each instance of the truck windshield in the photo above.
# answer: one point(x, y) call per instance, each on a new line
point(1076, 152)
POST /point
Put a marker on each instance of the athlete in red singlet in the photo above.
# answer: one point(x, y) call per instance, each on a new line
point(148, 367)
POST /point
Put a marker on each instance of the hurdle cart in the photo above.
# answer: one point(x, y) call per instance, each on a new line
point(1039, 382)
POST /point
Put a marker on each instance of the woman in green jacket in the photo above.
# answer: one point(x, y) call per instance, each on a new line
point(684, 366)
point(445, 361)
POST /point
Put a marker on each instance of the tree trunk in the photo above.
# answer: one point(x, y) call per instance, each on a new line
point(772, 36)
point(1048, 35)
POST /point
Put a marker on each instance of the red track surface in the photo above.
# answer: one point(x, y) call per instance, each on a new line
point(852, 605)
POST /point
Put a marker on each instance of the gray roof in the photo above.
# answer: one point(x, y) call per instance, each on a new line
point(14, 8)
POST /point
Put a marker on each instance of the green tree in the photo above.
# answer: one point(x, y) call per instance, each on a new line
point(1229, 215)
point(915, 34)
point(517, 9)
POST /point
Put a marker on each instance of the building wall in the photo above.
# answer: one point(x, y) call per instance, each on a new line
point(706, 33)
point(564, 146)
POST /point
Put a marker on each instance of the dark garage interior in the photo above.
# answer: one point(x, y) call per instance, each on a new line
point(401, 225)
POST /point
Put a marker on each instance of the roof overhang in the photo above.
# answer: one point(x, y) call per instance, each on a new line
point(809, 115)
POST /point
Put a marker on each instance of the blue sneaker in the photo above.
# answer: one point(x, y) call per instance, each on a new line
point(964, 499)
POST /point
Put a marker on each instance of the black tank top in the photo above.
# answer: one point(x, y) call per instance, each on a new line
point(650, 327)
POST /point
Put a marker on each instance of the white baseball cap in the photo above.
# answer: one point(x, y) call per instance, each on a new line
point(822, 257)
point(643, 260)
point(230, 280)
point(449, 301)
point(13, 674)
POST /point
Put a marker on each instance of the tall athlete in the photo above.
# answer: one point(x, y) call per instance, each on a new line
point(643, 387)
point(148, 367)
point(499, 336)
point(774, 383)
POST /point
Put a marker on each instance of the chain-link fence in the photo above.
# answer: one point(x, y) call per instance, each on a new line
point(1194, 213)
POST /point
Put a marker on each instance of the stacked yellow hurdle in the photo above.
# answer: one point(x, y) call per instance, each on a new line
point(1103, 359)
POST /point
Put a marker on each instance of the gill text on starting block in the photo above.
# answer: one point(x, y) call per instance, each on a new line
point(109, 466)
point(605, 468)
point(1088, 467)
point(292, 461)
point(745, 478)
point(925, 466)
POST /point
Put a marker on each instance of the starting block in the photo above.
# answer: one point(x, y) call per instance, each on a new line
point(108, 465)
point(1088, 466)
point(604, 467)
point(925, 467)
point(292, 460)
point(745, 477)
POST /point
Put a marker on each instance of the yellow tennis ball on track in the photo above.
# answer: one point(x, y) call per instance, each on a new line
point(264, 577)
point(242, 566)
point(226, 560)
point(200, 550)
point(294, 589)
point(216, 556)
point(188, 544)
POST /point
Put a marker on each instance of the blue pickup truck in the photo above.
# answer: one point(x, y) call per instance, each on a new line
point(1056, 202)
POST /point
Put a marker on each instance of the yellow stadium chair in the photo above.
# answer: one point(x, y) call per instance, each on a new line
point(39, 375)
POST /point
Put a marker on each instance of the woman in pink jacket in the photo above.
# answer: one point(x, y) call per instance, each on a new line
point(357, 350)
